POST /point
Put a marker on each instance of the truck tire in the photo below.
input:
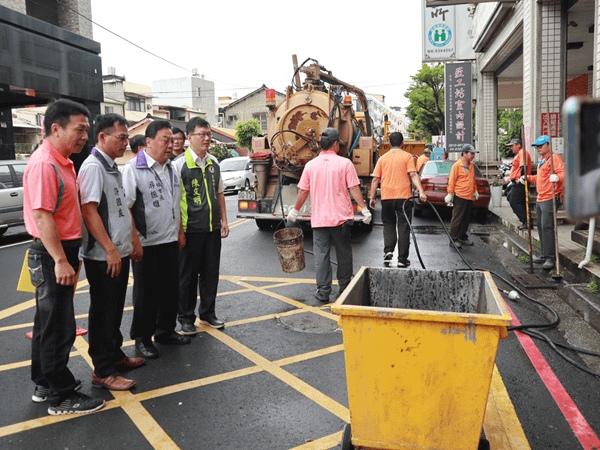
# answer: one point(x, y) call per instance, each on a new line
point(264, 224)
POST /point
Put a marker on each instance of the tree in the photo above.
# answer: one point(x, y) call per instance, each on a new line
point(219, 151)
point(426, 95)
point(510, 121)
point(245, 131)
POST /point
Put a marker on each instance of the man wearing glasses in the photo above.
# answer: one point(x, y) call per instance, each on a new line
point(106, 249)
point(204, 221)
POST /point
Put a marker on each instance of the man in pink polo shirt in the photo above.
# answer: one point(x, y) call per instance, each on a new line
point(328, 178)
point(51, 213)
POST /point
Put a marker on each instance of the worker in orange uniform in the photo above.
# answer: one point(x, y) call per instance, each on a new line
point(423, 159)
point(516, 196)
point(544, 209)
point(462, 190)
point(396, 169)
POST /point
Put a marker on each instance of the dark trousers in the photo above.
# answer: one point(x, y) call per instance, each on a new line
point(199, 264)
point(107, 300)
point(516, 199)
point(544, 213)
point(461, 217)
point(54, 322)
point(155, 292)
point(323, 239)
point(395, 227)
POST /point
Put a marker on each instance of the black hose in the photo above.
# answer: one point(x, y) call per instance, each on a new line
point(528, 329)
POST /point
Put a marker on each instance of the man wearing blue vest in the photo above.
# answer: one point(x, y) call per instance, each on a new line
point(204, 221)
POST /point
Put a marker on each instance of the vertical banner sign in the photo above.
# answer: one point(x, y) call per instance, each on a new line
point(550, 127)
point(439, 28)
point(459, 106)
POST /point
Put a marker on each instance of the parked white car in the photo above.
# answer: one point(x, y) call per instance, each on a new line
point(237, 173)
point(11, 193)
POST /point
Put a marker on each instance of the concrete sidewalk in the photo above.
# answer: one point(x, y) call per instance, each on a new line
point(571, 253)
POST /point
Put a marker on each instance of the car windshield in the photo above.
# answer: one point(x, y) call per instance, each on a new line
point(443, 168)
point(232, 164)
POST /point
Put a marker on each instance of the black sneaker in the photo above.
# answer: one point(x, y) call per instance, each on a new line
point(213, 322)
point(387, 259)
point(404, 263)
point(77, 403)
point(41, 393)
point(466, 242)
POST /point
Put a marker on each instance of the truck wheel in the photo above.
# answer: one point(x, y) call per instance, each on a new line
point(264, 224)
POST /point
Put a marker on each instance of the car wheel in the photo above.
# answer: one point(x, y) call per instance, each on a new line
point(3, 230)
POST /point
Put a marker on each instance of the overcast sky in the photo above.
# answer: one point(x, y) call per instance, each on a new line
point(241, 45)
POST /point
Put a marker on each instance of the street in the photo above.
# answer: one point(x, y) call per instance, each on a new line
point(274, 378)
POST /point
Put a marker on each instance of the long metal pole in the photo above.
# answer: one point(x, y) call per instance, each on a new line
point(527, 200)
point(554, 212)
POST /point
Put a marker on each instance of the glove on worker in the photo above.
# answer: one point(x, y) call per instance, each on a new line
point(475, 196)
point(449, 198)
point(366, 216)
point(553, 178)
point(293, 215)
point(521, 180)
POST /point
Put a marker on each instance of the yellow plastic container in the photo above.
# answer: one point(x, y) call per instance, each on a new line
point(420, 347)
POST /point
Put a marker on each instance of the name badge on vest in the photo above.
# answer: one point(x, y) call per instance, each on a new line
point(211, 169)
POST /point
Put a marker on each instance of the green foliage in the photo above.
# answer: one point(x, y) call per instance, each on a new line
point(524, 259)
point(593, 285)
point(220, 151)
point(426, 95)
point(510, 122)
point(245, 131)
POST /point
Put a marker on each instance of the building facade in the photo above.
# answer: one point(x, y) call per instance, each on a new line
point(195, 93)
point(47, 52)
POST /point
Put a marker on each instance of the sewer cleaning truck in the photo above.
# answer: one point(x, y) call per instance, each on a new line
point(294, 128)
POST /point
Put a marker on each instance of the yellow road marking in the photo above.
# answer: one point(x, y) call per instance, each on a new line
point(304, 388)
point(144, 421)
point(238, 222)
point(324, 443)
point(501, 423)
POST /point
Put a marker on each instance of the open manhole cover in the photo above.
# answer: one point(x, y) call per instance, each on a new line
point(309, 323)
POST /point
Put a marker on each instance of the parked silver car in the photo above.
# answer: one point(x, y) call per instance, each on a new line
point(11, 193)
point(237, 173)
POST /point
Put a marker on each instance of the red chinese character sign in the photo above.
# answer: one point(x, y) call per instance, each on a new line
point(550, 127)
point(458, 106)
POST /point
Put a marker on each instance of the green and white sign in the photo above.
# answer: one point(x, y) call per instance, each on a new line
point(439, 40)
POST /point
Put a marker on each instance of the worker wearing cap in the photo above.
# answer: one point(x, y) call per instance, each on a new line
point(462, 190)
point(516, 196)
point(423, 158)
point(396, 169)
point(328, 178)
point(544, 209)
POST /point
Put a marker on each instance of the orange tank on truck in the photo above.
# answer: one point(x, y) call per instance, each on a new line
point(294, 128)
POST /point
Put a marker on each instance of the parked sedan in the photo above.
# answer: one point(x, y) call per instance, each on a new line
point(237, 173)
point(434, 178)
point(11, 194)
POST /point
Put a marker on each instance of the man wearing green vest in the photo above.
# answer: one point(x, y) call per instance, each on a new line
point(204, 221)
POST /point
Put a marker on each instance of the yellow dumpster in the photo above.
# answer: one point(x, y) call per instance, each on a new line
point(420, 347)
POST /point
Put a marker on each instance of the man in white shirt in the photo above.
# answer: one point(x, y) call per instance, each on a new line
point(105, 251)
